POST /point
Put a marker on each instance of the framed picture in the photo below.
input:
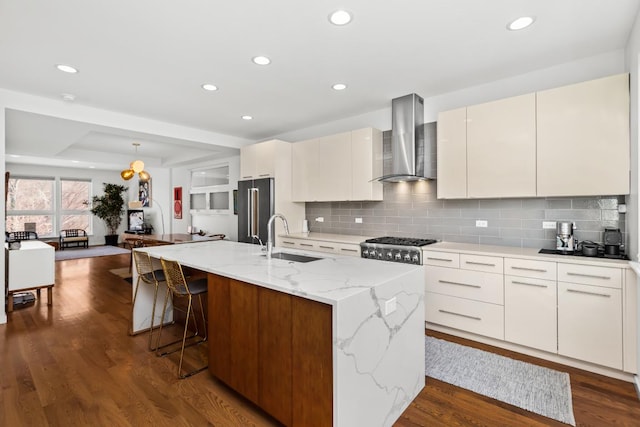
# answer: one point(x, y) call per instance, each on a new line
point(177, 202)
point(144, 193)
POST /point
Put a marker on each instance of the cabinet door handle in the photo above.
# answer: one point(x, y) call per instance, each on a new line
point(593, 276)
point(537, 270)
point(439, 259)
point(326, 247)
point(349, 250)
point(447, 282)
point(247, 177)
point(486, 264)
point(284, 242)
point(460, 314)
point(575, 291)
point(264, 174)
point(515, 282)
point(306, 244)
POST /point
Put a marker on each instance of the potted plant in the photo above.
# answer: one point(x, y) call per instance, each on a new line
point(109, 207)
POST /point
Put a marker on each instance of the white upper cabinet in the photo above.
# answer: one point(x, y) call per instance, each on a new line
point(501, 148)
point(305, 168)
point(366, 164)
point(334, 163)
point(258, 160)
point(452, 154)
point(338, 167)
point(583, 138)
point(569, 141)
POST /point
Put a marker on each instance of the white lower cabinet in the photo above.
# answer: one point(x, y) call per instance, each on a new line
point(590, 323)
point(325, 246)
point(460, 313)
point(585, 311)
point(530, 315)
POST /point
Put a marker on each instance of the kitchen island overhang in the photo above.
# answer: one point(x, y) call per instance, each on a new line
point(377, 319)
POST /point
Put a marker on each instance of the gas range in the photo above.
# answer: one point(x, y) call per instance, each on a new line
point(395, 249)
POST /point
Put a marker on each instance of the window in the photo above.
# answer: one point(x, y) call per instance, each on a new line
point(74, 209)
point(35, 200)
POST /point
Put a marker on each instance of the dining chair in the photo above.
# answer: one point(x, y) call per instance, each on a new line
point(179, 287)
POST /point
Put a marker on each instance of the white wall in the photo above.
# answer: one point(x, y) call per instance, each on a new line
point(572, 72)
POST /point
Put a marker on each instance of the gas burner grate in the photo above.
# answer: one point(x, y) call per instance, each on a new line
point(400, 241)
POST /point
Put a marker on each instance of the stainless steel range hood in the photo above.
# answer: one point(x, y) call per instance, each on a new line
point(413, 144)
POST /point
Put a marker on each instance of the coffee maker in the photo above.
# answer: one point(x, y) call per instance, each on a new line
point(565, 242)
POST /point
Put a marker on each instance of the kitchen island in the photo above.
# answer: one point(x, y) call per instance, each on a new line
point(374, 317)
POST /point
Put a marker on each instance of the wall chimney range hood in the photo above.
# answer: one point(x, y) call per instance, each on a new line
point(413, 144)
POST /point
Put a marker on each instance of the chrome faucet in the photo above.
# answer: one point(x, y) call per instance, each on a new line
point(270, 233)
point(262, 248)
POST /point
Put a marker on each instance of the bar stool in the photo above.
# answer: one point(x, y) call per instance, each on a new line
point(151, 276)
point(179, 287)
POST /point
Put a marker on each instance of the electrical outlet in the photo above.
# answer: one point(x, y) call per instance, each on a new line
point(548, 225)
point(358, 220)
point(622, 208)
point(320, 219)
point(482, 223)
point(390, 306)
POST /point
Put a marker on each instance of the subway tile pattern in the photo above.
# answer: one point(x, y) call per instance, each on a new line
point(413, 210)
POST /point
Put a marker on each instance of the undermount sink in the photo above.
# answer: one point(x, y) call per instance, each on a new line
point(292, 257)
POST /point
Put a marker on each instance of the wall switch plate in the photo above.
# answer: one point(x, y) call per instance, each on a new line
point(482, 223)
point(358, 220)
point(622, 208)
point(320, 219)
point(548, 225)
point(390, 306)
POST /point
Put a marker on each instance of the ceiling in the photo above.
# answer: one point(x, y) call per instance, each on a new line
point(149, 58)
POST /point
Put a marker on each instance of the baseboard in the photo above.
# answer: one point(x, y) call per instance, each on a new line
point(636, 382)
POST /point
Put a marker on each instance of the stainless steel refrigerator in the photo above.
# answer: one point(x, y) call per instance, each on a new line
point(255, 207)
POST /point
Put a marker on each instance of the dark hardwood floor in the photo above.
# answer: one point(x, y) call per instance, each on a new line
point(73, 364)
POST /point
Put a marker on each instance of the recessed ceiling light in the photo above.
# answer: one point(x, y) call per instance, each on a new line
point(247, 118)
point(14, 155)
point(261, 60)
point(340, 17)
point(75, 161)
point(339, 86)
point(209, 86)
point(92, 167)
point(520, 23)
point(67, 68)
point(68, 97)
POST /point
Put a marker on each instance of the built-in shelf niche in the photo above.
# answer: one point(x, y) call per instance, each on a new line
point(210, 191)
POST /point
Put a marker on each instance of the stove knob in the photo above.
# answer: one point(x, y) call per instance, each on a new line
point(380, 255)
point(390, 255)
point(398, 256)
point(365, 253)
point(407, 257)
point(415, 259)
point(372, 253)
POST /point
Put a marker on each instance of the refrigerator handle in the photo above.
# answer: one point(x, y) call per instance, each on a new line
point(255, 212)
point(249, 200)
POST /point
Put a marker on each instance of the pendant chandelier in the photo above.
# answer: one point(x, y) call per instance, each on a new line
point(136, 167)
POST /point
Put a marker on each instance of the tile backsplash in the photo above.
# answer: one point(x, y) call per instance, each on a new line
point(413, 210)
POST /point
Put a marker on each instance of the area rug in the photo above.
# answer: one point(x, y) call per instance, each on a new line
point(527, 386)
point(92, 251)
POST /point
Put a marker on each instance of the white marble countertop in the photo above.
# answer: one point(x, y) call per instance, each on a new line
point(329, 280)
point(327, 237)
point(523, 253)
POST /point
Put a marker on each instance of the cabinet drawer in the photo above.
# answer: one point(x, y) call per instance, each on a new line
point(472, 316)
point(590, 275)
point(307, 245)
point(488, 264)
point(325, 247)
point(530, 268)
point(288, 243)
point(348, 250)
point(475, 285)
point(443, 259)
